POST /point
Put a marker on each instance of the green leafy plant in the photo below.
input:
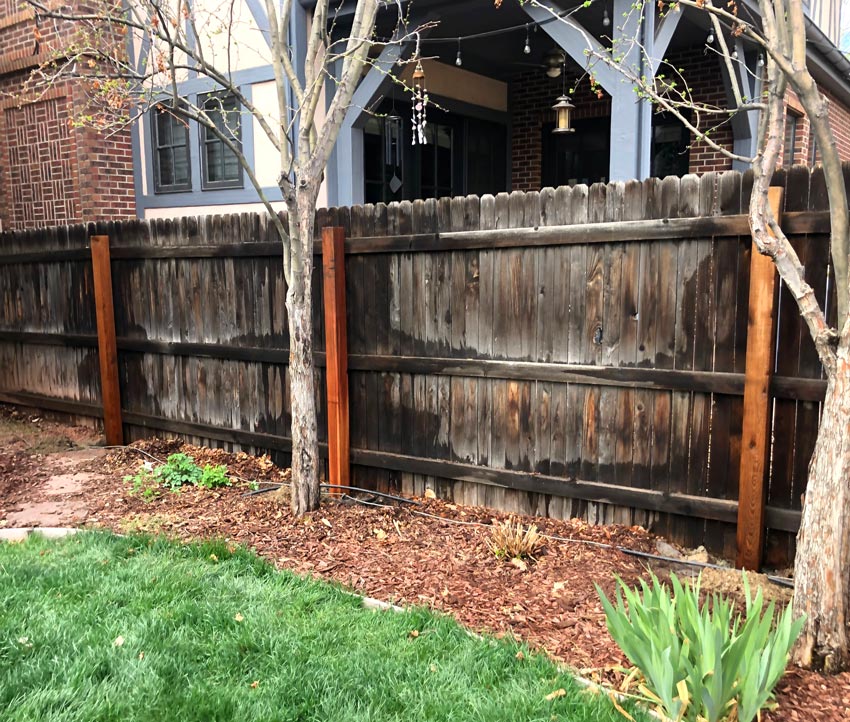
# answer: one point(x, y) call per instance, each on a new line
point(701, 663)
point(144, 484)
point(213, 477)
point(178, 471)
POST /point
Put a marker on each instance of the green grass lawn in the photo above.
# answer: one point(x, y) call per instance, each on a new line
point(98, 627)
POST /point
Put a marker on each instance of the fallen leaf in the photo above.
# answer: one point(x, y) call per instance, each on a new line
point(520, 656)
point(557, 693)
point(413, 633)
point(214, 557)
point(239, 617)
point(255, 684)
point(433, 667)
point(429, 494)
point(327, 523)
point(24, 641)
point(519, 564)
point(619, 707)
point(558, 586)
point(119, 642)
point(380, 533)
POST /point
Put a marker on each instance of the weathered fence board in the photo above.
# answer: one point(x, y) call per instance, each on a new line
point(577, 351)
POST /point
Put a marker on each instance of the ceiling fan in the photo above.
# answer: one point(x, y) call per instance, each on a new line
point(553, 63)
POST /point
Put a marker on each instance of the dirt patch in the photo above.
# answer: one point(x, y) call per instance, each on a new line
point(431, 553)
point(730, 583)
point(35, 434)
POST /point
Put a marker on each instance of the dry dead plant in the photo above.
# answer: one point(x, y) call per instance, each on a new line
point(509, 539)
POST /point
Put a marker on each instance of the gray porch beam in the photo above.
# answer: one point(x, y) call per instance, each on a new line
point(744, 124)
point(575, 41)
point(664, 31)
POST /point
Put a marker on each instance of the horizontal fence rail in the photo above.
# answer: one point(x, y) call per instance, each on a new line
point(573, 352)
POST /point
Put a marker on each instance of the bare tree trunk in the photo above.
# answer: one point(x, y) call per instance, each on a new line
point(305, 443)
point(821, 575)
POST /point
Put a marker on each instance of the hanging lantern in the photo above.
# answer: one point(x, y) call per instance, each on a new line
point(563, 108)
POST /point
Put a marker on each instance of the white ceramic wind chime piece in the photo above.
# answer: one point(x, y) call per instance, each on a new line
point(420, 106)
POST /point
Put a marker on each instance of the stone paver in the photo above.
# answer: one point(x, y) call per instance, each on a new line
point(53, 505)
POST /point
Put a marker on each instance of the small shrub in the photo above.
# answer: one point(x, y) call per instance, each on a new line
point(179, 470)
point(144, 484)
point(213, 477)
point(699, 663)
point(510, 540)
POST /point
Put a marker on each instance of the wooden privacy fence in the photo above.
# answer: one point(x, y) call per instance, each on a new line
point(573, 352)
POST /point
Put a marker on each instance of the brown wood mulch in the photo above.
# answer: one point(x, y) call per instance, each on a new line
point(420, 554)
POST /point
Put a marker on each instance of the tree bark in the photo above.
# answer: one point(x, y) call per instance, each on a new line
point(821, 576)
point(305, 442)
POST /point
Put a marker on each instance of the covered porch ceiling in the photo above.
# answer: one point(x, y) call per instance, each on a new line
point(501, 55)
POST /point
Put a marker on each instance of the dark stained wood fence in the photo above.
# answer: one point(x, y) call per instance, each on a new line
point(573, 352)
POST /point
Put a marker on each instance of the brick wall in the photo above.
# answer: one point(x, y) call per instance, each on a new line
point(702, 73)
point(50, 172)
point(531, 97)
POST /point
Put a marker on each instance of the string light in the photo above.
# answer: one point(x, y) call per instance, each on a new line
point(458, 59)
point(527, 48)
point(734, 54)
point(606, 21)
point(710, 39)
point(760, 61)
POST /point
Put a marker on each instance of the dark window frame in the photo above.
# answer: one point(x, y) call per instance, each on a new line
point(206, 138)
point(157, 148)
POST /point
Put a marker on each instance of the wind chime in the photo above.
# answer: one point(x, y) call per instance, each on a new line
point(420, 104)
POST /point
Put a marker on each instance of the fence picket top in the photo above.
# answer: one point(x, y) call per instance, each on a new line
point(597, 203)
point(797, 189)
point(548, 210)
point(405, 217)
point(818, 196)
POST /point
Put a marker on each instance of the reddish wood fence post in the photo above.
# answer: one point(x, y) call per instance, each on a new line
point(336, 348)
point(106, 346)
point(755, 439)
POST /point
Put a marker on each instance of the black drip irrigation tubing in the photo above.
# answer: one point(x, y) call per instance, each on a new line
point(401, 499)
point(779, 581)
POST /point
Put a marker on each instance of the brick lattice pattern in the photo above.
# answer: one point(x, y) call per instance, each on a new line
point(40, 168)
point(50, 172)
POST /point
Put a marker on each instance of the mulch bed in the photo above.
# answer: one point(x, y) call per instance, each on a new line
point(420, 554)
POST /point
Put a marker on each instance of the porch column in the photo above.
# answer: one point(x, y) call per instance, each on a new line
point(345, 169)
point(631, 117)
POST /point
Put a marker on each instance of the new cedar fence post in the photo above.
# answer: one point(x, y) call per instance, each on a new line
point(336, 347)
point(107, 349)
point(755, 439)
